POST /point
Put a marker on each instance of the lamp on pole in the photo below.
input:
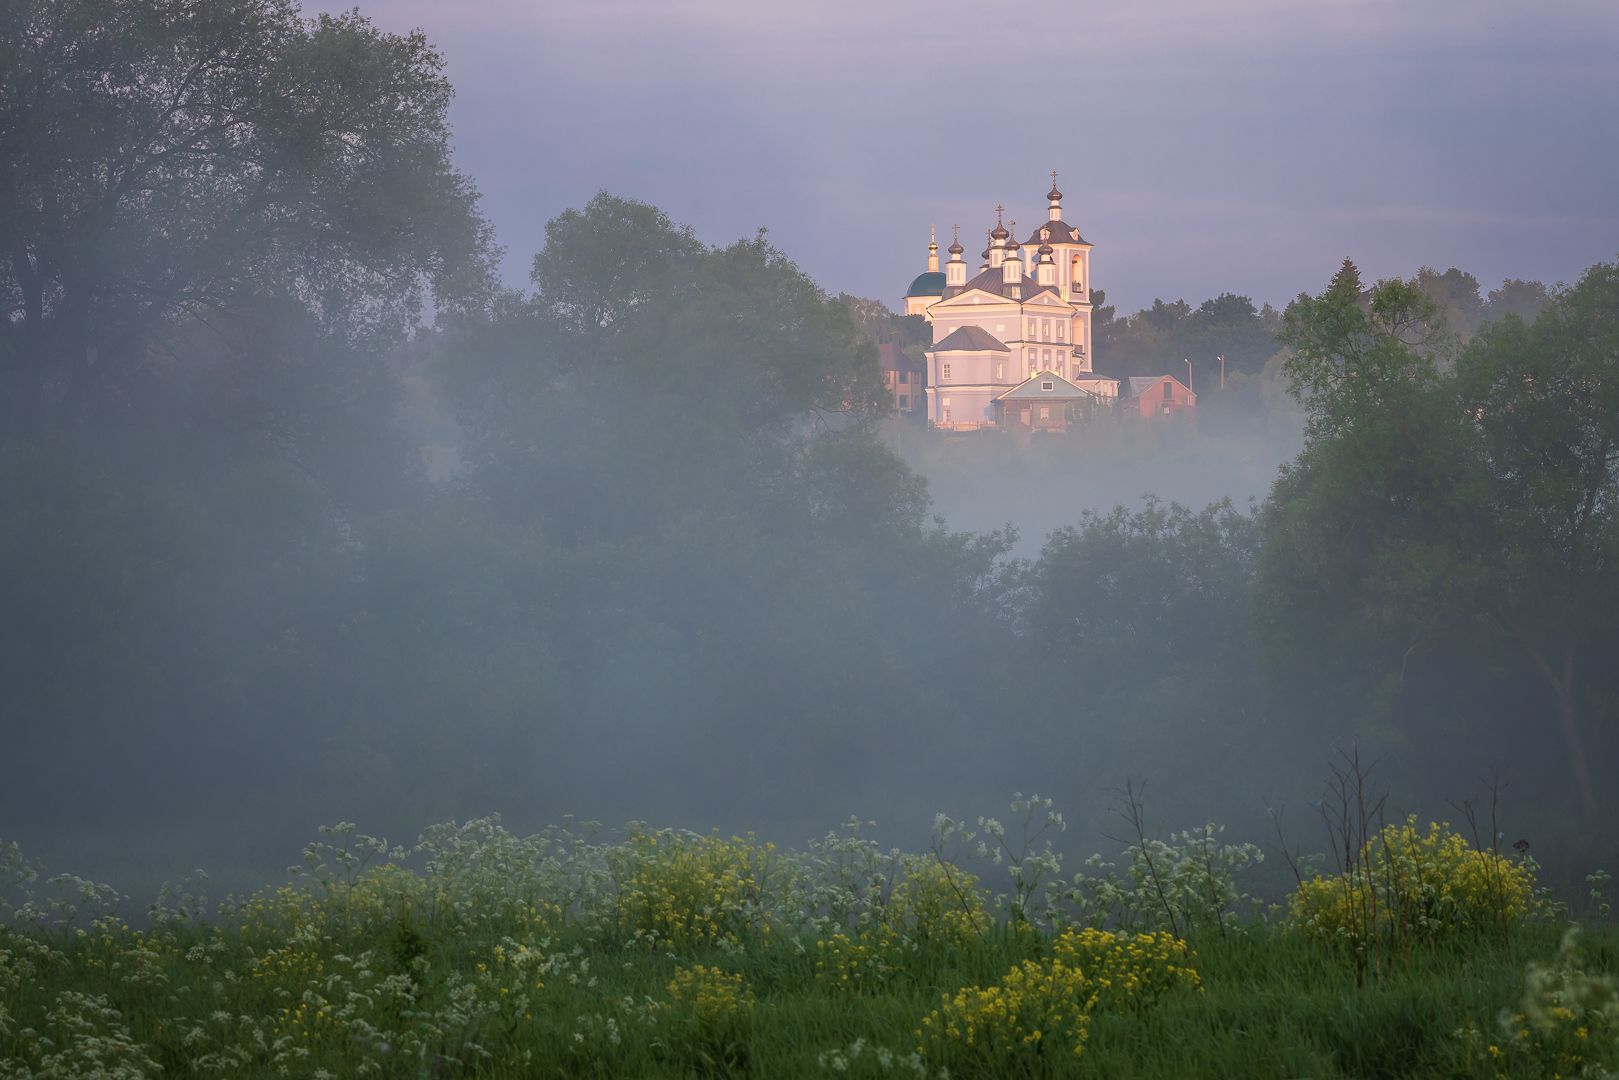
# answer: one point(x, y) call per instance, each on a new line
point(1188, 363)
point(1221, 358)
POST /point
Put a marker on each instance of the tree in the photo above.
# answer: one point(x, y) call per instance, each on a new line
point(1446, 498)
point(1525, 299)
point(168, 161)
point(1456, 294)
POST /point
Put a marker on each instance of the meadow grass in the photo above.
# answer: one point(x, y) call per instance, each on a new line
point(661, 953)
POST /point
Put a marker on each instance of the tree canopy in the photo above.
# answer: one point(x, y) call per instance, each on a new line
point(174, 161)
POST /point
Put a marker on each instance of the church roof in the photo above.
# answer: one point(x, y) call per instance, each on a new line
point(969, 339)
point(1036, 388)
point(928, 284)
point(992, 281)
point(1061, 233)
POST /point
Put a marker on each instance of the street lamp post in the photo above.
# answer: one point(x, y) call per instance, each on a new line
point(1188, 363)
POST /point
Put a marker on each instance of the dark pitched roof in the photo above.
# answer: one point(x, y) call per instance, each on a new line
point(990, 281)
point(1035, 389)
point(894, 358)
point(969, 339)
point(1061, 233)
point(1142, 383)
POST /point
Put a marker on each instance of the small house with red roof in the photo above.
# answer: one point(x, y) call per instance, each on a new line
point(1161, 395)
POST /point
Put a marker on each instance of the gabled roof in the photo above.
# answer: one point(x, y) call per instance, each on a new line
point(1061, 233)
point(894, 358)
point(1034, 389)
point(1141, 383)
point(969, 339)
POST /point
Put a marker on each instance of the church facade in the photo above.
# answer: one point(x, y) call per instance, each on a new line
point(1023, 316)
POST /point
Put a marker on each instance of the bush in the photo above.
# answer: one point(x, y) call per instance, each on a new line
point(1045, 1006)
point(1407, 886)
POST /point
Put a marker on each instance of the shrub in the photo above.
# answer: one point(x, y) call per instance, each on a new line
point(686, 889)
point(1045, 1006)
point(1404, 885)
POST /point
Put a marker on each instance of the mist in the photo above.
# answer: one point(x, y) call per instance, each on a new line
point(315, 515)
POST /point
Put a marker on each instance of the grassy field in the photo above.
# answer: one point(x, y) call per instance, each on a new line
point(661, 953)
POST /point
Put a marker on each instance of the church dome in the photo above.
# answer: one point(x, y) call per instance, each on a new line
point(928, 284)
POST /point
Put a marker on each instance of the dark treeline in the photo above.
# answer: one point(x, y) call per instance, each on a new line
point(674, 571)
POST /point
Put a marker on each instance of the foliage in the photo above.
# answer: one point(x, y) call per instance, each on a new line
point(1566, 1025)
point(1451, 504)
point(174, 162)
point(685, 889)
point(479, 952)
point(1045, 1006)
point(712, 996)
point(1408, 887)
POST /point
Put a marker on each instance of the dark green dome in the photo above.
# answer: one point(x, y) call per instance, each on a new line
point(928, 284)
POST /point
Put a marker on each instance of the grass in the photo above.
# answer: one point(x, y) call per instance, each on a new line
point(482, 954)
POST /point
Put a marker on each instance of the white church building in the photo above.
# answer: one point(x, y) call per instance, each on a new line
point(1025, 313)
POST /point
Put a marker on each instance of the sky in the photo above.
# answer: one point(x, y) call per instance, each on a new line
point(1203, 147)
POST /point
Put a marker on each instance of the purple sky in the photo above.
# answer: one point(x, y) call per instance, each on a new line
point(1243, 145)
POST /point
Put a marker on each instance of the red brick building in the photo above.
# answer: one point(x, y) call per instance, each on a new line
point(903, 375)
point(1160, 395)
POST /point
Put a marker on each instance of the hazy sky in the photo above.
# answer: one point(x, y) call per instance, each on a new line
point(1244, 145)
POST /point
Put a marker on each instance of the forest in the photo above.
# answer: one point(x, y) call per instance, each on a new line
point(311, 518)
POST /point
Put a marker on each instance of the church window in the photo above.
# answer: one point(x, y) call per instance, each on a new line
point(944, 374)
point(1000, 328)
point(1000, 371)
point(1060, 330)
point(1045, 329)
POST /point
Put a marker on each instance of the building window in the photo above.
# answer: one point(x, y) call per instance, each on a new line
point(1060, 330)
point(1045, 412)
point(1000, 371)
point(1048, 386)
point(944, 373)
point(1169, 390)
point(904, 402)
point(905, 378)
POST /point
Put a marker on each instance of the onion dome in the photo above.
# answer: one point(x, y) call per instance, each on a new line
point(928, 284)
point(955, 247)
point(1044, 249)
point(999, 232)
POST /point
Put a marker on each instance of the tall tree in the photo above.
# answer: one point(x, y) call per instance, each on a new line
point(162, 160)
point(1447, 497)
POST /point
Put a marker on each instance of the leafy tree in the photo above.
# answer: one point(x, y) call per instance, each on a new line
point(1525, 299)
point(1456, 294)
point(1451, 506)
point(172, 161)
